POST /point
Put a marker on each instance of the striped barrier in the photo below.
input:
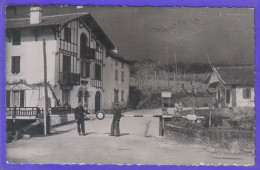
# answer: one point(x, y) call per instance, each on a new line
point(162, 117)
point(101, 115)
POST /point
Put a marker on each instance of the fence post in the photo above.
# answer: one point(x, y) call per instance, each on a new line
point(14, 112)
point(210, 115)
point(161, 129)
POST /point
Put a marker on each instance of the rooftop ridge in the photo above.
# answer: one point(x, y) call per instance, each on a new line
point(49, 16)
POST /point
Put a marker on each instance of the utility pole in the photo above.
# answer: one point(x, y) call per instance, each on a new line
point(45, 86)
point(166, 51)
point(175, 68)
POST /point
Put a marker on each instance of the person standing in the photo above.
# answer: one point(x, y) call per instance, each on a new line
point(115, 131)
point(79, 117)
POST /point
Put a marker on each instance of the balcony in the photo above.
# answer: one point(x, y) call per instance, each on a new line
point(67, 78)
point(96, 83)
point(87, 53)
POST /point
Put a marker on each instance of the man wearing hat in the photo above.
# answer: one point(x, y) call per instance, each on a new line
point(116, 120)
point(79, 117)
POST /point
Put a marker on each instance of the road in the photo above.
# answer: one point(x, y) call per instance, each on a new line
point(139, 143)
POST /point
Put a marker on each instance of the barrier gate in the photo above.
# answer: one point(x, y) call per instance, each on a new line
point(168, 115)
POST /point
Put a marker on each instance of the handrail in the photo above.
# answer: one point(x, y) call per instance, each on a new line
point(23, 111)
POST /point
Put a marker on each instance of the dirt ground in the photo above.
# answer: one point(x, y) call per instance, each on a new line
point(139, 143)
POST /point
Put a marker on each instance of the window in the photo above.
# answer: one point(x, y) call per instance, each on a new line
point(122, 95)
point(122, 64)
point(218, 95)
point(18, 98)
point(116, 74)
point(99, 52)
point(97, 71)
point(247, 93)
point(85, 69)
point(122, 76)
point(67, 34)
point(80, 97)
point(15, 65)
point(116, 63)
point(7, 98)
point(227, 96)
point(65, 97)
point(16, 38)
point(115, 96)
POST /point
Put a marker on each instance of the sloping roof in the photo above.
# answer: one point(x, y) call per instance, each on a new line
point(112, 54)
point(46, 21)
point(55, 20)
point(236, 75)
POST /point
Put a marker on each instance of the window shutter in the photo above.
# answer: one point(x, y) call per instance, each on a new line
point(16, 38)
point(122, 78)
point(22, 98)
point(249, 93)
point(7, 98)
point(13, 65)
point(116, 75)
point(17, 64)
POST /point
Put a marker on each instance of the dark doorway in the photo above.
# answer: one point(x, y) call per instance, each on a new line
point(97, 101)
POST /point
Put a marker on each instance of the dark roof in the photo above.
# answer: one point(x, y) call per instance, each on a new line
point(55, 20)
point(112, 54)
point(236, 75)
point(46, 21)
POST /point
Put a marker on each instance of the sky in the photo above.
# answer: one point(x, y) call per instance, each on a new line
point(225, 35)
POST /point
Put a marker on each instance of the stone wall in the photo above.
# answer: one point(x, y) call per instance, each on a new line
point(61, 119)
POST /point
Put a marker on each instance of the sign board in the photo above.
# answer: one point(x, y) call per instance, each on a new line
point(166, 94)
point(100, 115)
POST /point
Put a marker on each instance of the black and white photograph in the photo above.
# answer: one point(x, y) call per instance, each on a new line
point(130, 85)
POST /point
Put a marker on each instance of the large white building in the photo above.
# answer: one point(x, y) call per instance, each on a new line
point(80, 67)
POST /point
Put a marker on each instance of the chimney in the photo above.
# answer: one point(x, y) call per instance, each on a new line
point(35, 15)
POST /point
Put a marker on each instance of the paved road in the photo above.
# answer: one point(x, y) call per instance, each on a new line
point(139, 144)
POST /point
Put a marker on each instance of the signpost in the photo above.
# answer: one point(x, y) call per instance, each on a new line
point(45, 86)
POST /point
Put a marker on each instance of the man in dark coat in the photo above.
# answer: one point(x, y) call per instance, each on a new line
point(79, 117)
point(116, 120)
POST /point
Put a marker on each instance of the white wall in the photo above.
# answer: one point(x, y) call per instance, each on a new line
point(110, 84)
point(31, 63)
point(241, 102)
point(236, 96)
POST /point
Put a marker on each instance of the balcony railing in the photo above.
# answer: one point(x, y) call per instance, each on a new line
point(87, 53)
point(96, 83)
point(60, 110)
point(23, 111)
point(67, 78)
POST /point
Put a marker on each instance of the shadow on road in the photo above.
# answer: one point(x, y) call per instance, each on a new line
point(53, 133)
point(89, 133)
point(121, 134)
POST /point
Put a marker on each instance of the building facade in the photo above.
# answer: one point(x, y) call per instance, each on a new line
point(234, 86)
point(76, 50)
point(116, 75)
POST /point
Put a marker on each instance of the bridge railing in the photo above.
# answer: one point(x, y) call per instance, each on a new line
point(23, 111)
